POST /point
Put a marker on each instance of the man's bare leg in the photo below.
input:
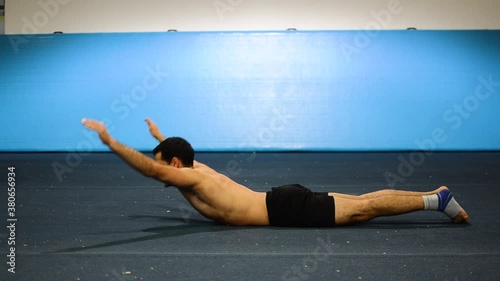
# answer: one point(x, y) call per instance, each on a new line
point(351, 209)
point(386, 192)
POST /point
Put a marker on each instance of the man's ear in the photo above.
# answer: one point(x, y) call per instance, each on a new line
point(176, 162)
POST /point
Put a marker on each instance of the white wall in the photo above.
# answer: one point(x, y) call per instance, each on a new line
point(83, 16)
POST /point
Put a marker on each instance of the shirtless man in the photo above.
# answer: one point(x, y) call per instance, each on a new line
point(219, 198)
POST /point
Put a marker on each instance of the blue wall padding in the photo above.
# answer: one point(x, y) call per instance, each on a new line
point(228, 91)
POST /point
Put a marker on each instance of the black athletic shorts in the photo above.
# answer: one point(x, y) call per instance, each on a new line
point(295, 205)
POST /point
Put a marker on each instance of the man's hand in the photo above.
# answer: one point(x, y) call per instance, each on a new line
point(99, 128)
point(153, 129)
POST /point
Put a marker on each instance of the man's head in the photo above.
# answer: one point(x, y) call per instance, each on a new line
point(176, 152)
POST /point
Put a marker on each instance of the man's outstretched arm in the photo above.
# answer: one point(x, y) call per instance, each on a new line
point(155, 132)
point(140, 162)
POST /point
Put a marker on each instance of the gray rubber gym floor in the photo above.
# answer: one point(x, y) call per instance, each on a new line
point(91, 217)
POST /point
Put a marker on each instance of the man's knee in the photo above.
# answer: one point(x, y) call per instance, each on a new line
point(349, 211)
point(364, 211)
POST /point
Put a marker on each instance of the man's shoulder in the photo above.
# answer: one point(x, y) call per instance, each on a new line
point(204, 169)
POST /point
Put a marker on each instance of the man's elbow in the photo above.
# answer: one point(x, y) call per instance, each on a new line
point(153, 171)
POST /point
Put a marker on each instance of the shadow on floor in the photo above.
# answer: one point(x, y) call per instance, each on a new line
point(195, 226)
point(192, 226)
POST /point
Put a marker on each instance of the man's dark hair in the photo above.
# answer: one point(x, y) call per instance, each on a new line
point(176, 147)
